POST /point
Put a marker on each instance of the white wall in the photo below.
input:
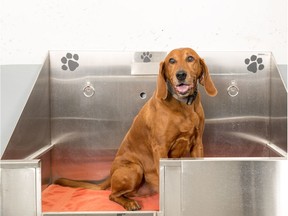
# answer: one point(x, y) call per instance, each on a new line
point(31, 27)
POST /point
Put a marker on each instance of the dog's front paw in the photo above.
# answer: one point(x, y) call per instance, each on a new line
point(132, 205)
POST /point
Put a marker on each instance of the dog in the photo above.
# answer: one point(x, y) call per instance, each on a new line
point(169, 125)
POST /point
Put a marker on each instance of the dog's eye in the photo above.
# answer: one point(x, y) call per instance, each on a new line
point(172, 61)
point(190, 59)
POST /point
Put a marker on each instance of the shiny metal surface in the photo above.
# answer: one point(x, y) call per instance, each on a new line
point(238, 126)
point(170, 187)
point(20, 188)
point(14, 96)
point(44, 155)
point(32, 131)
point(211, 187)
point(87, 131)
point(146, 63)
point(278, 106)
point(95, 126)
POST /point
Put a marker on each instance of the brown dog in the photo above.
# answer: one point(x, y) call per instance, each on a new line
point(170, 125)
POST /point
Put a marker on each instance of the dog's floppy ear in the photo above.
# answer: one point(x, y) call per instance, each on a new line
point(162, 90)
point(206, 80)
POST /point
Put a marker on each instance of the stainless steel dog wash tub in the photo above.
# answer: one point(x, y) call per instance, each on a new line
point(83, 103)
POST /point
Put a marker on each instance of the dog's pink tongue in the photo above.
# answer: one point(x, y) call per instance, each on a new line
point(182, 88)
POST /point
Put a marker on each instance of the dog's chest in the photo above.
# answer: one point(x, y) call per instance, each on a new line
point(186, 124)
point(180, 147)
point(185, 131)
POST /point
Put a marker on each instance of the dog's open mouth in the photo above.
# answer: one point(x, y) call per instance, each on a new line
point(183, 88)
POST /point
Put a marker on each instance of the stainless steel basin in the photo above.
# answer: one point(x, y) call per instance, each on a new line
point(84, 102)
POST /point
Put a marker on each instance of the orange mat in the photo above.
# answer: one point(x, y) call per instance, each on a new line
point(56, 198)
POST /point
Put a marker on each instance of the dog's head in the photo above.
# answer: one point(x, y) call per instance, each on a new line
point(183, 68)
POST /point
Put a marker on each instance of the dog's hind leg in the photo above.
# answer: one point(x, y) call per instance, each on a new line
point(125, 181)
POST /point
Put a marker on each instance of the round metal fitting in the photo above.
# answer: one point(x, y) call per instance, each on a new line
point(233, 89)
point(88, 90)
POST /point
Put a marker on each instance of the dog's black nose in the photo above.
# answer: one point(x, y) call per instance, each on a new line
point(181, 75)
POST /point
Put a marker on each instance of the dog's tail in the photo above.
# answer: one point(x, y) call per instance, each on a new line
point(83, 184)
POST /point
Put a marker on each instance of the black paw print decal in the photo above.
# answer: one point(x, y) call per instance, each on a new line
point(70, 62)
point(254, 63)
point(146, 56)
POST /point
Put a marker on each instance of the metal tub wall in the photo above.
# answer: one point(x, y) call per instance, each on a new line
point(86, 131)
point(278, 110)
point(20, 171)
point(248, 117)
point(32, 131)
point(224, 187)
point(20, 187)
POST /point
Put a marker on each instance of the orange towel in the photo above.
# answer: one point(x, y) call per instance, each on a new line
point(56, 198)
